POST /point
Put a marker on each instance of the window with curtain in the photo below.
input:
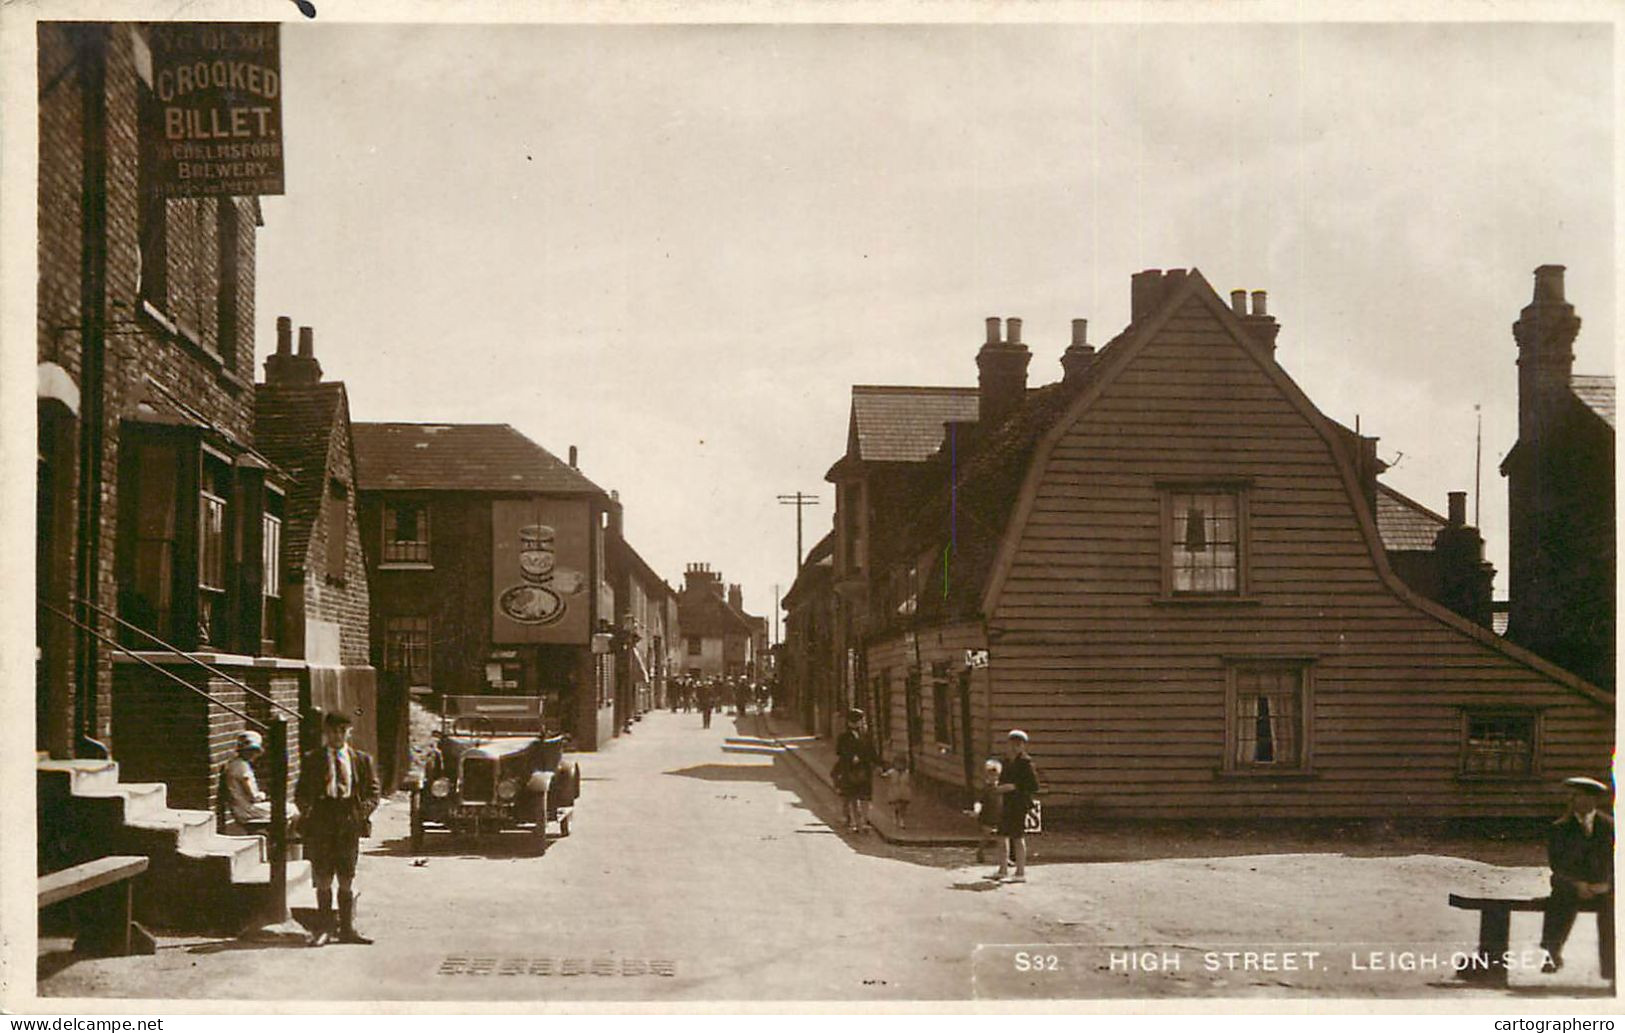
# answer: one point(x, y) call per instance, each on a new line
point(1268, 717)
point(1203, 550)
point(271, 573)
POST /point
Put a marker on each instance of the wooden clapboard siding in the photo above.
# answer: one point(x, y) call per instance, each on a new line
point(897, 657)
point(1123, 691)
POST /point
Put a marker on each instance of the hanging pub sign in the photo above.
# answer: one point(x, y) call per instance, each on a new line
point(540, 562)
point(214, 120)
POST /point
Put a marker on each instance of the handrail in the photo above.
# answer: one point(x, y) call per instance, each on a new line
point(176, 651)
point(171, 675)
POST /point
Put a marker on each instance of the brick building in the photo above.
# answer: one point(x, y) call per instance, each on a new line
point(318, 608)
point(719, 637)
point(1560, 482)
point(486, 560)
point(153, 504)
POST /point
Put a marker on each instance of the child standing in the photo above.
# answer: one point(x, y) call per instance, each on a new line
point(899, 790)
point(989, 805)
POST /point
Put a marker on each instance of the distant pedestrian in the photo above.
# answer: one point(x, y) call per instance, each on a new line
point(337, 793)
point(854, 771)
point(707, 699)
point(1580, 849)
point(1019, 785)
point(989, 805)
point(899, 790)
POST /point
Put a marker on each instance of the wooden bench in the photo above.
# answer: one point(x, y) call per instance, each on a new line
point(1495, 933)
point(105, 917)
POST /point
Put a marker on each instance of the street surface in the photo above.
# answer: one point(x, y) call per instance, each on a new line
point(694, 874)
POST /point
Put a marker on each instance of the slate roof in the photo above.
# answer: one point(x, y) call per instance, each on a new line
point(1597, 394)
point(460, 457)
point(293, 426)
point(1404, 524)
point(905, 424)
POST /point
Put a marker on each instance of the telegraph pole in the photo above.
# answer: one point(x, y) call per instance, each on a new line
point(800, 500)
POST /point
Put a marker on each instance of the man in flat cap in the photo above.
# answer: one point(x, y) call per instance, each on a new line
point(1580, 849)
point(337, 793)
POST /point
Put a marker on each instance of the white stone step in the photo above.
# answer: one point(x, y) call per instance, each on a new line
point(244, 852)
point(141, 799)
point(193, 829)
point(86, 777)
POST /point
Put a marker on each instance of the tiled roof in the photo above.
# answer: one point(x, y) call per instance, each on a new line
point(1597, 393)
point(905, 424)
point(706, 614)
point(460, 457)
point(1404, 524)
point(293, 426)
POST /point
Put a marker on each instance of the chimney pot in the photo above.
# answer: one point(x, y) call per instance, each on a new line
point(307, 342)
point(1458, 508)
point(1549, 283)
point(1238, 302)
point(1012, 331)
point(572, 457)
point(992, 329)
point(1080, 333)
point(1260, 306)
point(284, 335)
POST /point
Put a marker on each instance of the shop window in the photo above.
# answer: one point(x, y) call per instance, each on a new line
point(1268, 710)
point(696, 645)
point(1498, 744)
point(406, 532)
point(214, 490)
point(1202, 544)
point(271, 579)
point(942, 713)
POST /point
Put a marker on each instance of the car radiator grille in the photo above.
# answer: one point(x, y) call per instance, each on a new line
point(479, 781)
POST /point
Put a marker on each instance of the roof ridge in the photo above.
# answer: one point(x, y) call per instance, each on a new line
point(901, 388)
point(1400, 496)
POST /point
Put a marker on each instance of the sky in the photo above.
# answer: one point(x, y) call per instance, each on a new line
point(678, 247)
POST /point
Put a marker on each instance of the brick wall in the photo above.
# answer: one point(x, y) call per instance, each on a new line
point(136, 345)
point(347, 601)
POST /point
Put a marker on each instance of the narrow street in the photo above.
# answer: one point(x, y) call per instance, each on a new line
point(683, 859)
point(697, 874)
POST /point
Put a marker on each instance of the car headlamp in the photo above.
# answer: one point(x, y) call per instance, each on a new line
point(440, 787)
point(507, 789)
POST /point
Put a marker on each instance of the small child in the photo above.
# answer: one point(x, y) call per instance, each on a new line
point(899, 790)
point(989, 804)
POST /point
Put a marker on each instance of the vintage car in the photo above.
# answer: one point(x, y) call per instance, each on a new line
point(492, 768)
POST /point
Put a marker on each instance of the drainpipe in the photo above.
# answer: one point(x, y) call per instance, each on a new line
point(92, 41)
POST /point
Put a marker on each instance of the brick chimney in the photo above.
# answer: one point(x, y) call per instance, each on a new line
point(1079, 355)
point(1465, 579)
point(617, 516)
point(287, 369)
point(699, 576)
point(1545, 332)
point(1259, 323)
point(1001, 372)
point(736, 598)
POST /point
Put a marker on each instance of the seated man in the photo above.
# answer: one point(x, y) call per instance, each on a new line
point(246, 803)
point(1580, 848)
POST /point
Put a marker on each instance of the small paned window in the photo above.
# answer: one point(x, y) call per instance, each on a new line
point(211, 541)
point(406, 648)
point(406, 532)
point(695, 645)
point(1204, 547)
point(1498, 744)
point(271, 572)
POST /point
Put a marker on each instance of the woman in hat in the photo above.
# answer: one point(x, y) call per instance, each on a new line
point(854, 770)
point(248, 804)
point(1019, 784)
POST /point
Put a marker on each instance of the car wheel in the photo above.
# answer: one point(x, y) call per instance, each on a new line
point(417, 824)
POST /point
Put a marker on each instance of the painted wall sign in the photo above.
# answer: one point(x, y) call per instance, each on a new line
point(215, 115)
point(539, 562)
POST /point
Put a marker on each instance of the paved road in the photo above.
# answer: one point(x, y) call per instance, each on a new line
point(690, 874)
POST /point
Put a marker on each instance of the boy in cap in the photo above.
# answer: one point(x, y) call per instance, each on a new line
point(1019, 784)
point(337, 793)
point(1580, 849)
